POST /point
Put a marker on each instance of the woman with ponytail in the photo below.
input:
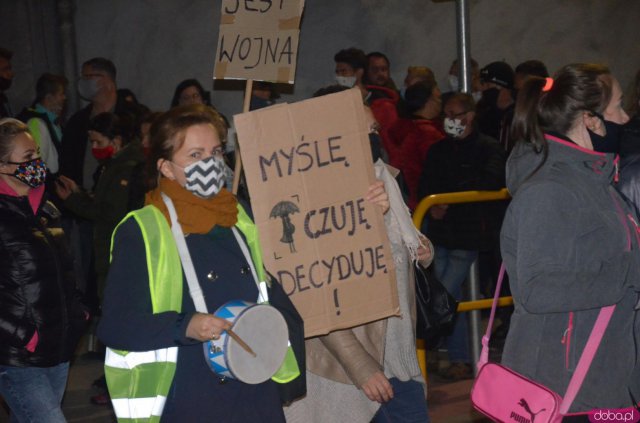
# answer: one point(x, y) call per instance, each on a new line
point(570, 241)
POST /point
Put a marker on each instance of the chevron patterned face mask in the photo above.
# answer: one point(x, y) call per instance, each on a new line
point(205, 178)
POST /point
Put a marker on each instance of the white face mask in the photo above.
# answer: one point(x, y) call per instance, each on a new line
point(453, 82)
point(205, 178)
point(88, 88)
point(477, 95)
point(454, 127)
point(346, 81)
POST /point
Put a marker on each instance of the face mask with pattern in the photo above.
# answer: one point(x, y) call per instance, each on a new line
point(31, 172)
point(205, 178)
point(454, 127)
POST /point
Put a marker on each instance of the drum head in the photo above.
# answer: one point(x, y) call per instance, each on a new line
point(264, 329)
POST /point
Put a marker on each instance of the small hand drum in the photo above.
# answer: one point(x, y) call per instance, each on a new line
point(263, 328)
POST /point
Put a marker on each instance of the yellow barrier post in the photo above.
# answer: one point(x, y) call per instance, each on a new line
point(418, 216)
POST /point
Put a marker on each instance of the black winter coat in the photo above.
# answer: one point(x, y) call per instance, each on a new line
point(37, 289)
point(454, 165)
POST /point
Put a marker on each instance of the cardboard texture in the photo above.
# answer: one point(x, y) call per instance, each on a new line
point(258, 40)
point(308, 167)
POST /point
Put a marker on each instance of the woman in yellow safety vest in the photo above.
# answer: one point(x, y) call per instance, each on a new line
point(155, 365)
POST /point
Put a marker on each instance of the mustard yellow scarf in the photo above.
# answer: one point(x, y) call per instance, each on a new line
point(196, 215)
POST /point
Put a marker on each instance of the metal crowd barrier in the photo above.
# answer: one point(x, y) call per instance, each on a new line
point(475, 304)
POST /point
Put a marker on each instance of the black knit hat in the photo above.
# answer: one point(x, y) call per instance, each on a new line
point(499, 73)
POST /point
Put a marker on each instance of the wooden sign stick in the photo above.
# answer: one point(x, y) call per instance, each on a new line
point(238, 167)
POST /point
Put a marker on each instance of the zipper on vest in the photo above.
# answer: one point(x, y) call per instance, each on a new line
point(566, 340)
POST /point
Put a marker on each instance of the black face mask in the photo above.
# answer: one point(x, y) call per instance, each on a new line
point(610, 142)
point(5, 84)
point(490, 97)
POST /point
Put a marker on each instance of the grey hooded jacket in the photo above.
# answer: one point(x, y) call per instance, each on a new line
point(571, 246)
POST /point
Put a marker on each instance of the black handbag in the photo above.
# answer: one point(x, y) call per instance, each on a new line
point(296, 388)
point(436, 307)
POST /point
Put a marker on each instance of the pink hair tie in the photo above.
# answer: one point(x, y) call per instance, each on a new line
point(547, 85)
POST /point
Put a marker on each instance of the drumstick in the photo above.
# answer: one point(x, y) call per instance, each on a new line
point(239, 340)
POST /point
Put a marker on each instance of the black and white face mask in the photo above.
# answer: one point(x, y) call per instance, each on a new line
point(205, 178)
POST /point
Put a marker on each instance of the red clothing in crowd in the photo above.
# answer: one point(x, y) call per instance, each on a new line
point(412, 139)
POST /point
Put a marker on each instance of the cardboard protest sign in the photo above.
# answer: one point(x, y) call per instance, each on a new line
point(308, 167)
point(258, 39)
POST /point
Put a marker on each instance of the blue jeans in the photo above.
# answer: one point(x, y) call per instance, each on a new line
point(452, 268)
point(408, 404)
point(34, 394)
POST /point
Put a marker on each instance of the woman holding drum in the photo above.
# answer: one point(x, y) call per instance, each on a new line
point(153, 320)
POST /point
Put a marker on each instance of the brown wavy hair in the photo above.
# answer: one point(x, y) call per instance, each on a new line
point(168, 132)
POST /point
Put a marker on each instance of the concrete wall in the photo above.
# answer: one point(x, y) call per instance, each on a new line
point(157, 43)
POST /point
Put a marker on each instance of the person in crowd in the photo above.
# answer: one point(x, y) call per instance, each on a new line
point(41, 319)
point(6, 78)
point(98, 86)
point(111, 138)
point(416, 134)
point(630, 137)
point(119, 189)
point(43, 118)
point(382, 95)
point(378, 72)
point(125, 94)
point(497, 102)
point(350, 67)
point(190, 91)
point(144, 131)
point(629, 150)
point(414, 75)
point(263, 94)
point(568, 240)
point(186, 143)
point(466, 160)
point(417, 74)
point(453, 81)
point(350, 70)
point(371, 372)
point(377, 149)
point(526, 69)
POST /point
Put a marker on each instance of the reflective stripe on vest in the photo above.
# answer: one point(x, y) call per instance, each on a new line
point(139, 382)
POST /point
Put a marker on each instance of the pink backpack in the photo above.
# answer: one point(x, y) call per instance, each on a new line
point(506, 396)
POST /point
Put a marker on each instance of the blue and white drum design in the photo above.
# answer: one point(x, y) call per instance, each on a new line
point(263, 328)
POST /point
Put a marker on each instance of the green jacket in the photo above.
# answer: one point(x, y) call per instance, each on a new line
point(110, 202)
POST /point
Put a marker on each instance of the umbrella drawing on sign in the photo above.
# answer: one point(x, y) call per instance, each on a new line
point(282, 210)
